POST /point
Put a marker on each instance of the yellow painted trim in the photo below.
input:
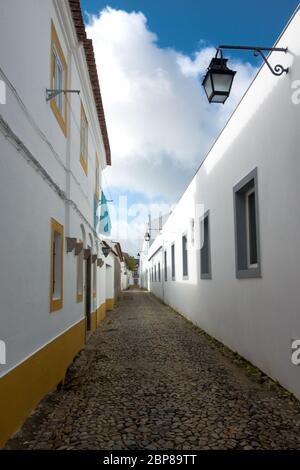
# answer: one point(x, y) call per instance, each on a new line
point(56, 304)
point(101, 312)
point(23, 387)
point(84, 158)
point(110, 304)
point(93, 321)
point(62, 120)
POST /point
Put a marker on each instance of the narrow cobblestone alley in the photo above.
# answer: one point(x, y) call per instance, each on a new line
point(149, 379)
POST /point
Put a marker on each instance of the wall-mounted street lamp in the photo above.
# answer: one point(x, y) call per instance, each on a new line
point(106, 250)
point(147, 236)
point(218, 79)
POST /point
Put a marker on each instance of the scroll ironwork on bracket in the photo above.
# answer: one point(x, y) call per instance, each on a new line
point(278, 68)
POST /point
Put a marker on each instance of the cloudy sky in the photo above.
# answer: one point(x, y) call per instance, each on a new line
point(159, 121)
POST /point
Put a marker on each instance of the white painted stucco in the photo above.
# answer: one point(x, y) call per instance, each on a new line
point(257, 317)
point(27, 200)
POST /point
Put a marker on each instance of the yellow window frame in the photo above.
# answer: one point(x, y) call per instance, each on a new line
point(84, 158)
point(55, 45)
point(56, 303)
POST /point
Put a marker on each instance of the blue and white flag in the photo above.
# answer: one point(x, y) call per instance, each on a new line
point(105, 223)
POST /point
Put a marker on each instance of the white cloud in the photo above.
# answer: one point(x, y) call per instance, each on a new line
point(160, 123)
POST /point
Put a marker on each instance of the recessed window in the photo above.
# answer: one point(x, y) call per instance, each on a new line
point(83, 140)
point(158, 268)
point(56, 266)
point(165, 266)
point(205, 261)
point(247, 246)
point(59, 80)
point(251, 228)
point(155, 273)
point(185, 271)
point(173, 261)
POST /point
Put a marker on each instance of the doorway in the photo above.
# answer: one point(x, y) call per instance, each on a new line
point(88, 294)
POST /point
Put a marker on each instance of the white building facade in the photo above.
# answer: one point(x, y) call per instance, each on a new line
point(55, 282)
point(228, 256)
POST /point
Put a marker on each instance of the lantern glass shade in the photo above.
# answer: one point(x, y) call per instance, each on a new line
point(147, 237)
point(218, 81)
point(106, 250)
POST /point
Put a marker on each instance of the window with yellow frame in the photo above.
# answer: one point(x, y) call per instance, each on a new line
point(56, 265)
point(58, 80)
point(83, 140)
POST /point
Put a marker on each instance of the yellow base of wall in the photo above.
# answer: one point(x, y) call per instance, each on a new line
point(101, 312)
point(93, 321)
point(23, 387)
point(109, 304)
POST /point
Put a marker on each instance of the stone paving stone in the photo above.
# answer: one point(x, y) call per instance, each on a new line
point(147, 379)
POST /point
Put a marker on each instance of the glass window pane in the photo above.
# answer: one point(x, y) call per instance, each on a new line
point(56, 265)
point(166, 267)
point(58, 80)
point(204, 253)
point(252, 229)
point(173, 260)
point(184, 256)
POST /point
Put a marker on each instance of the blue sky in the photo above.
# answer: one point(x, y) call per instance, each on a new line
point(181, 24)
point(151, 57)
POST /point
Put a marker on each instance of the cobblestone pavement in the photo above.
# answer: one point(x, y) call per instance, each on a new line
point(149, 379)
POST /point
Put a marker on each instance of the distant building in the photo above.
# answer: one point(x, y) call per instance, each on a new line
point(135, 273)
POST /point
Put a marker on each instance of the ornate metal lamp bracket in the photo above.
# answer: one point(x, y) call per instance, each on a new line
point(50, 93)
point(277, 70)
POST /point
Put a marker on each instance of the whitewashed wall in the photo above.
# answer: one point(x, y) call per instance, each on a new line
point(27, 202)
point(124, 276)
point(257, 317)
point(109, 277)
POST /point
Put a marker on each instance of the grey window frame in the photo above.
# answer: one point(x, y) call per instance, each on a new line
point(158, 272)
point(240, 190)
point(165, 266)
point(185, 276)
point(173, 262)
point(206, 275)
